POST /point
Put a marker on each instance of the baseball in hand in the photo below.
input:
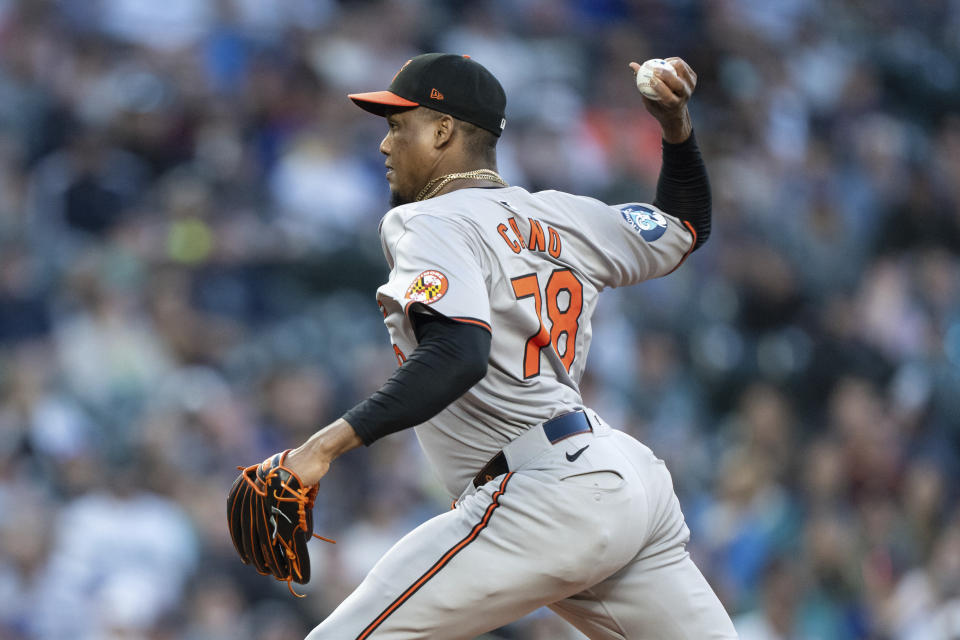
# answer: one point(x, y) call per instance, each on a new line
point(645, 75)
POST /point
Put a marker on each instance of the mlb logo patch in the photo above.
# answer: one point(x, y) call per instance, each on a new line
point(650, 224)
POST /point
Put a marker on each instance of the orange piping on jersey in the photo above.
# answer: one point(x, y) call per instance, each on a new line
point(536, 241)
point(555, 245)
point(502, 230)
point(689, 251)
point(440, 564)
point(516, 231)
point(465, 320)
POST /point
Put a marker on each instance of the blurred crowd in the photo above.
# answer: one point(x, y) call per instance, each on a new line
point(189, 254)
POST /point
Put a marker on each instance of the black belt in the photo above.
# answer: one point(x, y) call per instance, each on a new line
point(569, 424)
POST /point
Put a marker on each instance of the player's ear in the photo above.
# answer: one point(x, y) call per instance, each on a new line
point(443, 130)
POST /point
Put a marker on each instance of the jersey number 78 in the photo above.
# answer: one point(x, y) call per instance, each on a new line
point(563, 322)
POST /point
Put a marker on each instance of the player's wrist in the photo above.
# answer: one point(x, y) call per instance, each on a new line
point(677, 129)
point(316, 454)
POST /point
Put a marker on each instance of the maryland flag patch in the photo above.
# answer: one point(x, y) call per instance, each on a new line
point(428, 287)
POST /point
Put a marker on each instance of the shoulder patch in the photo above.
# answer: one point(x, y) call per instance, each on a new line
point(428, 287)
point(649, 223)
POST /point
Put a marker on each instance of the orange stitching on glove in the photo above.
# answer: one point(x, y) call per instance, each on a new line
point(253, 485)
point(258, 477)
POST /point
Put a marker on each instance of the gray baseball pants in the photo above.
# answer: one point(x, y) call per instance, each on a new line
point(600, 540)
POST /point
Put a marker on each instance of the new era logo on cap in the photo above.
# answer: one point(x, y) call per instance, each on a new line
point(470, 92)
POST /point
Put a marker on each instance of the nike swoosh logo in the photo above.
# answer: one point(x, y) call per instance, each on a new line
point(273, 521)
point(571, 458)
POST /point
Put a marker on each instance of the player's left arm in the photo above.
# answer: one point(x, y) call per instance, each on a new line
point(683, 188)
point(450, 358)
point(450, 318)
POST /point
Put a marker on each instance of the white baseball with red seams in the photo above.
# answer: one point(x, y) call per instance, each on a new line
point(645, 75)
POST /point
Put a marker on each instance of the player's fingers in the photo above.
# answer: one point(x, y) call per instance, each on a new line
point(673, 82)
point(684, 71)
point(668, 98)
point(635, 66)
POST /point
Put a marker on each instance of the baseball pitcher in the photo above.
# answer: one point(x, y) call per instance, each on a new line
point(488, 305)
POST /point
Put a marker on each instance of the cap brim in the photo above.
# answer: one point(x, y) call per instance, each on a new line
point(376, 102)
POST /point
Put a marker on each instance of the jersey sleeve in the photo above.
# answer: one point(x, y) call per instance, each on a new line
point(639, 242)
point(436, 266)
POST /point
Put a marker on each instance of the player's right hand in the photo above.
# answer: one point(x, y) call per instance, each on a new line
point(674, 92)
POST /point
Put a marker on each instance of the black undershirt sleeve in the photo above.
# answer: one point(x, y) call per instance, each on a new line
point(451, 358)
point(683, 189)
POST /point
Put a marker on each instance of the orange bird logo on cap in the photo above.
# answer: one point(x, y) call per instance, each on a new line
point(401, 69)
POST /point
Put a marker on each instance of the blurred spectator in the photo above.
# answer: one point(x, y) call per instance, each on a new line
point(777, 616)
point(118, 562)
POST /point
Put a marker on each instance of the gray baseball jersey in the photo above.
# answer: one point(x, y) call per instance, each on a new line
point(528, 267)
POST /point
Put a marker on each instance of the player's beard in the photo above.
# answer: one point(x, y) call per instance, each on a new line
point(397, 199)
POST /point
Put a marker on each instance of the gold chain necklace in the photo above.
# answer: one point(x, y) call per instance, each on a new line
point(434, 186)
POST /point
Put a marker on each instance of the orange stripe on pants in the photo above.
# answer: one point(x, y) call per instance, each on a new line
point(439, 564)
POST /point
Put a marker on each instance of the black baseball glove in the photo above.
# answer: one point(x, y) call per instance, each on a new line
point(270, 515)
